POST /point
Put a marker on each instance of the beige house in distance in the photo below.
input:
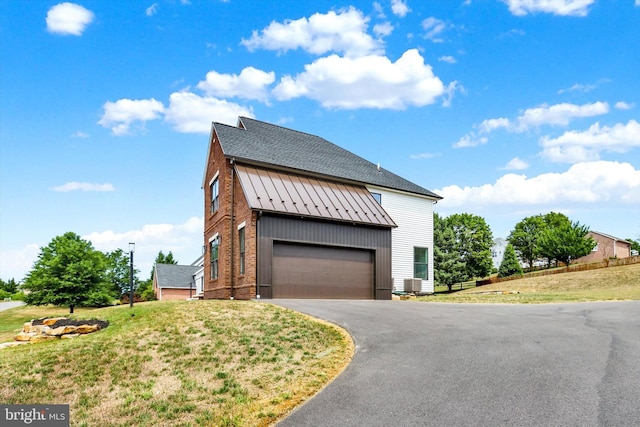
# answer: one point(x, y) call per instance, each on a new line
point(606, 247)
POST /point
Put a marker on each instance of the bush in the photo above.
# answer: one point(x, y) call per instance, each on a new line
point(99, 298)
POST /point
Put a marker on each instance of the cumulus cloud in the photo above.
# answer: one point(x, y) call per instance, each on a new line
point(345, 83)
point(251, 83)
point(489, 125)
point(399, 8)
point(470, 140)
point(576, 146)
point(68, 19)
point(191, 113)
point(555, 7)
point(383, 29)
point(448, 59)
point(587, 182)
point(559, 114)
point(621, 105)
point(434, 28)
point(120, 115)
point(83, 186)
point(516, 164)
point(344, 32)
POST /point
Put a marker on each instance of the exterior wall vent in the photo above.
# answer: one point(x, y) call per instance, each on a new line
point(412, 285)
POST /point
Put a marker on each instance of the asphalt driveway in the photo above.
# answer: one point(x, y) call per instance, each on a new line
point(423, 364)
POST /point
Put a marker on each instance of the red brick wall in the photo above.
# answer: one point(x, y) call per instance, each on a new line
point(221, 222)
point(174, 294)
point(607, 248)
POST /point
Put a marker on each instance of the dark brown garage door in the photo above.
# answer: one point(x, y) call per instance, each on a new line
point(306, 271)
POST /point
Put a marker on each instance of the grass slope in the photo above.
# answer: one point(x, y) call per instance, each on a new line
point(605, 284)
point(221, 363)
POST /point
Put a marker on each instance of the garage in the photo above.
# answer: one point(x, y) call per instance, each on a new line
point(317, 271)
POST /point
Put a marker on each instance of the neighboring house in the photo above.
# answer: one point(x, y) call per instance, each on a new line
point(606, 247)
point(291, 215)
point(173, 281)
point(497, 251)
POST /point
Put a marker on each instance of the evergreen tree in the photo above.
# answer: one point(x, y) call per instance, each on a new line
point(448, 266)
point(510, 264)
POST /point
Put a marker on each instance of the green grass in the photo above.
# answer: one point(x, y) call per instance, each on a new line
point(605, 284)
point(220, 363)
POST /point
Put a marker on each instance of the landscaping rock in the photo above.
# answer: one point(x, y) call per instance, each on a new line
point(42, 338)
point(52, 320)
point(63, 330)
point(24, 336)
point(45, 329)
point(87, 329)
point(12, 344)
point(69, 336)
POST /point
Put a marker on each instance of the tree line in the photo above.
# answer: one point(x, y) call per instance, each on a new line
point(70, 272)
point(463, 242)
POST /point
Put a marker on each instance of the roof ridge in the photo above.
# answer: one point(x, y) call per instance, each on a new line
point(287, 129)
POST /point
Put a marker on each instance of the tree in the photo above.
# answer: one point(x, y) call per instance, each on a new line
point(524, 238)
point(146, 288)
point(635, 244)
point(118, 271)
point(10, 286)
point(566, 242)
point(510, 265)
point(448, 265)
point(68, 272)
point(474, 241)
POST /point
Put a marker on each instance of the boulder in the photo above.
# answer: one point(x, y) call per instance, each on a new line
point(62, 330)
point(51, 320)
point(69, 336)
point(42, 338)
point(24, 336)
point(86, 329)
point(12, 344)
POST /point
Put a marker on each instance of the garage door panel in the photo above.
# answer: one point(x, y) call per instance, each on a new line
point(305, 271)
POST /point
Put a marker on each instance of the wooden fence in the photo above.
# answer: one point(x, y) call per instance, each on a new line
point(575, 267)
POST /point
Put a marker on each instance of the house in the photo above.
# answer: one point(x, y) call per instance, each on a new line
point(606, 247)
point(497, 251)
point(291, 215)
point(178, 282)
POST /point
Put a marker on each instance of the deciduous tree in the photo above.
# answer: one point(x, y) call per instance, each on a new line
point(474, 241)
point(524, 238)
point(566, 242)
point(68, 272)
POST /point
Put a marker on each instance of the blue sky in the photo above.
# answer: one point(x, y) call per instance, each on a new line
point(506, 108)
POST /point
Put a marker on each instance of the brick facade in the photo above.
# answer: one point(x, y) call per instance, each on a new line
point(174, 294)
point(224, 222)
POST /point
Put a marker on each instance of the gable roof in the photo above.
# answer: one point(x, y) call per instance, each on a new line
point(256, 142)
point(617, 239)
point(175, 276)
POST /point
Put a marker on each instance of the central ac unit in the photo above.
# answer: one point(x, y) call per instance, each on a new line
point(412, 285)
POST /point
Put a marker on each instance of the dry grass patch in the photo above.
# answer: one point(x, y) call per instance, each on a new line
point(226, 363)
point(605, 284)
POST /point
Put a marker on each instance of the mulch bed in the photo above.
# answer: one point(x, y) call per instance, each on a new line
point(73, 322)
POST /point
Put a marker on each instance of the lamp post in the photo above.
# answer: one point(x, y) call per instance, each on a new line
point(132, 248)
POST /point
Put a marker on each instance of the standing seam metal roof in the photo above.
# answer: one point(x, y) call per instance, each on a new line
point(268, 144)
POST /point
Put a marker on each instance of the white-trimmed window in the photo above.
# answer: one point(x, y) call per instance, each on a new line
point(420, 263)
point(213, 190)
point(241, 247)
point(214, 253)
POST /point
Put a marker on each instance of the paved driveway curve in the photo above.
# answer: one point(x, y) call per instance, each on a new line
point(424, 364)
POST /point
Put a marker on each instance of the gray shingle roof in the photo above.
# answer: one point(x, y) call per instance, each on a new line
point(269, 144)
point(175, 276)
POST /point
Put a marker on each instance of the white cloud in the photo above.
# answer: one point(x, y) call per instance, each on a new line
point(191, 113)
point(80, 134)
point(183, 240)
point(422, 156)
point(589, 182)
point(579, 88)
point(83, 186)
point(559, 114)
point(151, 10)
point(345, 83)
point(637, 2)
point(434, 28)
point(16, 263)
point(251, 83)
point(383, 29)
point(341, 32)
point(448, 59)
point(399, 8)
point(120, 115)
point(621, 105)
point(490, 125)
point(555, 7)
point(575, 146)
point(516, 164)
point(68, 19)
point(470, 140)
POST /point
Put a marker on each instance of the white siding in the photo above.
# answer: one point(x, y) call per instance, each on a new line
point(414, 216)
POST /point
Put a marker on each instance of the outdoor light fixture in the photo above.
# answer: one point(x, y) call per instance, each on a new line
point(132, 249)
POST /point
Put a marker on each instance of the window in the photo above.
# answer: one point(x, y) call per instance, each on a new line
point(241, 244)
point(378, 198)
point(213, 188)
point(420, 263)
point(214, 246)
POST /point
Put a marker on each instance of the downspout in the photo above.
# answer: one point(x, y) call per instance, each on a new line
point(231, 234)
point(258, 215)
